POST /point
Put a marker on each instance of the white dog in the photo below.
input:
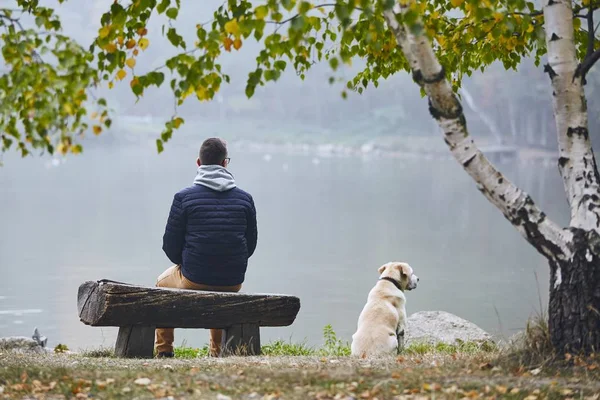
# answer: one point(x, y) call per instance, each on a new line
point(382, 321)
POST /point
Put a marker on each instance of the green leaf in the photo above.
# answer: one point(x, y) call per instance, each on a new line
point(172, 12)
point(163, 6)
point(280, 65)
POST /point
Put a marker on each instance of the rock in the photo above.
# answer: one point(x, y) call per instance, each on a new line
point(440, 326)
point(20, 344)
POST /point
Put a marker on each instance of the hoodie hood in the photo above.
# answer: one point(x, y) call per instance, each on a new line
point(214, 177)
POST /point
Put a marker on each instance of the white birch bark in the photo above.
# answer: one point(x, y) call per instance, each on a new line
point(577, 164)
point(516, 205)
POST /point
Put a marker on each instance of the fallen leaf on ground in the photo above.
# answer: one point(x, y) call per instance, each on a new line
point(142, 381)
point(501, 389)
point(536, 371)
point(486, 366)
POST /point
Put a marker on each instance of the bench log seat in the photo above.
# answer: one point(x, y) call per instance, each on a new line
point(138, 310)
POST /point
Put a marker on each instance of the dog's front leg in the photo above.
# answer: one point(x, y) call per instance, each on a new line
point(400, 330)
point(400, 337)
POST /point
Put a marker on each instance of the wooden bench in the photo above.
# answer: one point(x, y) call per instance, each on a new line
point(138, 310)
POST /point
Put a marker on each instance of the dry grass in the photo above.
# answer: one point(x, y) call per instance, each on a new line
point(525, 370)
point(438, 374)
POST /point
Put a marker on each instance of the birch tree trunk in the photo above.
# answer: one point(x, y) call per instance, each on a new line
point(573, 253)
point(574, 316)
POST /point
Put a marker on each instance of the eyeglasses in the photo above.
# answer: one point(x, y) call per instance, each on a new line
point(227, 160)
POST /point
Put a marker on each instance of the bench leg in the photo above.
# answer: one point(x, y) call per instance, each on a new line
point(135, 342)
point(241, 339)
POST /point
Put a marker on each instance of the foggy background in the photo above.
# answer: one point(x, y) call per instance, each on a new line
point(340, 186)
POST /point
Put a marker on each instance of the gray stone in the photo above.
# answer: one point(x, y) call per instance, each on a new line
point(440, 326)
point(20, 344)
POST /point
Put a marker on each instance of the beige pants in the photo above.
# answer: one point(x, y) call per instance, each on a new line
point(173, 278)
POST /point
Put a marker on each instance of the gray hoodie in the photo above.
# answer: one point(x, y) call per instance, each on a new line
point(214, 177)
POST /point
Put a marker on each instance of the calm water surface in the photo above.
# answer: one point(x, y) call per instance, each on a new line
point(325, 226)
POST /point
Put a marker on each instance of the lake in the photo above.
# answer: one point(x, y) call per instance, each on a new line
point(325, 225)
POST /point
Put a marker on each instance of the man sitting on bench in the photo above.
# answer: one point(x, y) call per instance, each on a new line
point(210, 234)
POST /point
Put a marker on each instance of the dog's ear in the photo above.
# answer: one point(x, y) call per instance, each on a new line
point(382, 268)
point(405, 269)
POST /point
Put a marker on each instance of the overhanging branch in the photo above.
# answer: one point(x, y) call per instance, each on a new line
point(516, 205)
point(587, 64)
point(591, 56)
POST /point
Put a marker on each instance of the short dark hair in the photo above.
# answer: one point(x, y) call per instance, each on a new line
point(213, 151)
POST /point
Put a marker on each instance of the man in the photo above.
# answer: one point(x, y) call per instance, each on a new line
point(211, 232)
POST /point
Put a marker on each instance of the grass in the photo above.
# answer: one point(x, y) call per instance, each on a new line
point(431, 375)
point(458, 348)
point(297, 371)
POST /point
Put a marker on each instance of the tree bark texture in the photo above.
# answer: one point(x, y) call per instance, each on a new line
point(576, 163)
point(574, 306)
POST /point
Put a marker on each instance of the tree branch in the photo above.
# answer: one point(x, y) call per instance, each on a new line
point(590, 60)
point(591, 57)
point(17, 22)
point(285, 21)
point(517, 206)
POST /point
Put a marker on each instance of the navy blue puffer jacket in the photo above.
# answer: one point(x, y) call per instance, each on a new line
point(211, 231)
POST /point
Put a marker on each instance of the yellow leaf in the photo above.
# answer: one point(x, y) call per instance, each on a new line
point(97, 129)
point(498, 16)
point(143, 43)
point(456, 3)
point(68, 109)
point(530, 28)
point(104, 31)
point(111, 85)
point(232, 27)
point(130, 62)
point(201, 93)
point(121, 74)
point(136, 52)
point(62, 148)
point(130, 44)
point(120, 40)
point(134, 81)
point(94, 115)
point(187, 93)
point(237, 43)
point(110, 48)
point(261, 12)
point(577, 24)
point(177, 122)
point(227, 43)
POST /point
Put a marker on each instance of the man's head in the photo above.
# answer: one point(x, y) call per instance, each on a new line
point(213, 152)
